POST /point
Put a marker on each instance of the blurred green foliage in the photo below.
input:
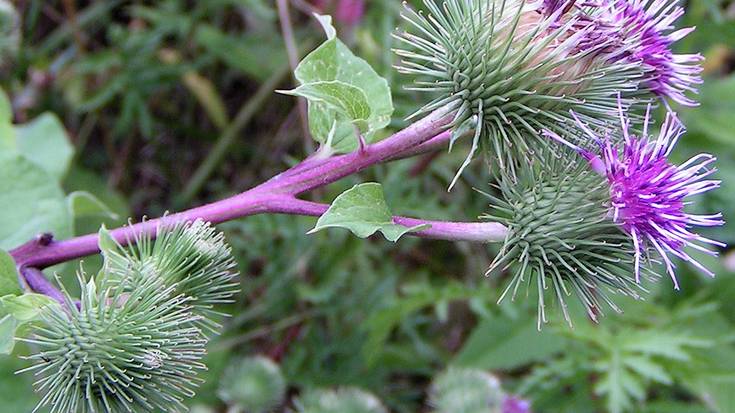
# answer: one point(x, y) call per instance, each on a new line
point(145, 89)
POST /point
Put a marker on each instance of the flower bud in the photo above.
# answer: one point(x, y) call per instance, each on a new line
point(460, 390)
point(193, 256)
point(107, 354)
point(253, 384)
point(343, 400)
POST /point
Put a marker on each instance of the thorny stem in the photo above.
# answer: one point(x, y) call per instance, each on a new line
point(277, 195)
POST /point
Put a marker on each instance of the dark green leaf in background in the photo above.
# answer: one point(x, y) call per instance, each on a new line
point(506, 343)
point(44, 141)
point(8, 275)
point(715, 117)
point(84, 204)
point(32, 203)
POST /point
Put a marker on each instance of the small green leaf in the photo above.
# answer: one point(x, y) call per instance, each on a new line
point(674, 346)
point(110, 250)
point(8, 324)
point(84, 204)
point(326, 21)
point(25, 308)
point(648, 369)
point(363, 210)
point(330, 77)
point(341, 97)
point(44, 141)
point(32, 202)
point(324, 122)
point(106, 243)
point(80, 179)
point(8, 275)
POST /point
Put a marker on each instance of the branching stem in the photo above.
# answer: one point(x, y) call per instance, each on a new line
point(278, 195)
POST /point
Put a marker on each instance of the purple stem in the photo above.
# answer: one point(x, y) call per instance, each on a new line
point(442, 230)
point(42, 256)
point(318, 159)
point(276, 195)
point(39, 283)
point(298, 180)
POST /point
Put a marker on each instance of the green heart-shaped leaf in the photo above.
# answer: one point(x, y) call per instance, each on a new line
point(363, 210)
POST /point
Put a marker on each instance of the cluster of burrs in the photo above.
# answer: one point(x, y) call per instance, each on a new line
point(559, 96)
point(135, 340)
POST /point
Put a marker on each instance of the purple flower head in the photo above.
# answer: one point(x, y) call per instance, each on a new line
point(513, 404)
point(643, 34)
point(648, 193)
point(634, 31)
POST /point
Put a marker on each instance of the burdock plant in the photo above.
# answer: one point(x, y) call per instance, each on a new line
point(253, 384)
point(583, 196)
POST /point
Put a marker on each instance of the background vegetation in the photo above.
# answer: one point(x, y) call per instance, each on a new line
point(169, 104)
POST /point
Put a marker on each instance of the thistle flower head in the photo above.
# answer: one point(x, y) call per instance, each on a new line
point(560, 237)
point(130, 346)
point(648, 193)
point(343, 400)
point(644, 30)
point(191, 255)
point(254, 384)
point(509, 72)
point(640, 32)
